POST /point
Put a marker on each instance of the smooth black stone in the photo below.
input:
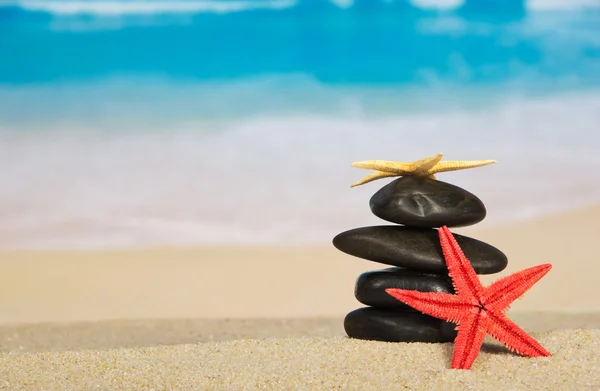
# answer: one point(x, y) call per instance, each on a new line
point(427, 203)
point(387, 325)
point(416, 248)
point(370, 286)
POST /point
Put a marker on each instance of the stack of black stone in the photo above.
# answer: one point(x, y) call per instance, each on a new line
point(419, 205)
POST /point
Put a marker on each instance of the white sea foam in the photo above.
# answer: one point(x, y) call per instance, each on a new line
point(558, 5)
point(282, 179)
point(145, 7)
point(438, 4)
point(112, 8)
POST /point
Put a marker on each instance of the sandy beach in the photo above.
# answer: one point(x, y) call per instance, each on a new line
point(309, 363)
point(271, 318)
point(273, 282)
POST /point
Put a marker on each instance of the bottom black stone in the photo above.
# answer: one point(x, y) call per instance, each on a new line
point(397, 326)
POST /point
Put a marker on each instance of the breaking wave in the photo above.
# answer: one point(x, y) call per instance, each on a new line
point(112, 8)
point(281, 179)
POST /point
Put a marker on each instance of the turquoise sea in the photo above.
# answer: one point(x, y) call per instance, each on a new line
point(140, 123)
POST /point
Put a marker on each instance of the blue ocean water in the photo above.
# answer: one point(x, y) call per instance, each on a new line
point(168, 122)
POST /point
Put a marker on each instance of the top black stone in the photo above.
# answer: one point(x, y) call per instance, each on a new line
point(426, 203)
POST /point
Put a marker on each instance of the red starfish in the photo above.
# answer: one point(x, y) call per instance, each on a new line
point(477, 310)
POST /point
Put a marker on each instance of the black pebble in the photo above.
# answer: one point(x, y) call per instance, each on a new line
point(428, 203)
point(397, 326)
point(416, 248)
point(370, 286)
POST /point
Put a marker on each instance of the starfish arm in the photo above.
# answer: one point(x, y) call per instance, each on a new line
point(515, 338)
point(439, 305)
point(422, 167)
point(374, 176)
point(386, 166)
point(463, 276)
point(453, 165)
point(419, 167)
point(468, 341)
point(504, 291)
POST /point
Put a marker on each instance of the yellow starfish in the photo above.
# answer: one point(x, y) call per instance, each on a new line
point(427, 167)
